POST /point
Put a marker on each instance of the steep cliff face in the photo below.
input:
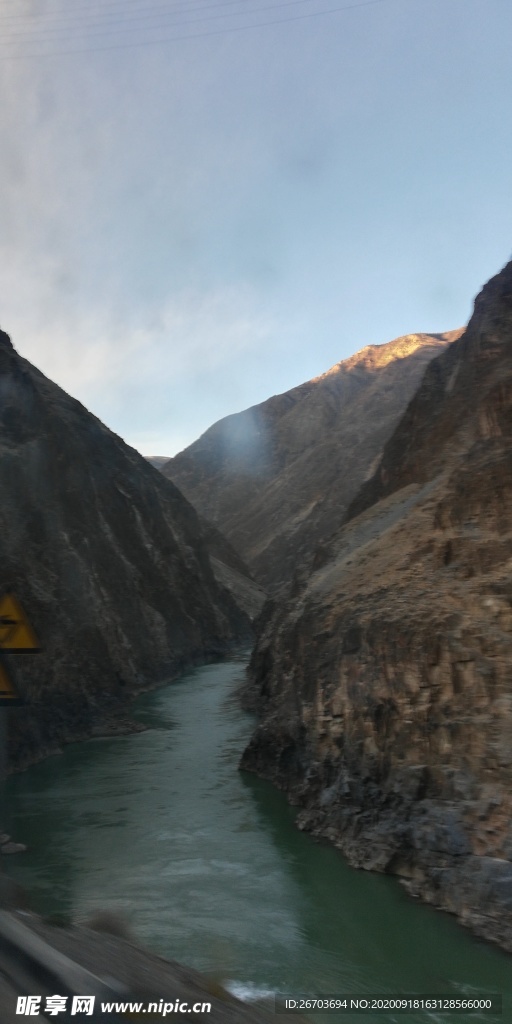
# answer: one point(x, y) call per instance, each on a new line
point(385, 685)
point(278, 478)
point(108, 559)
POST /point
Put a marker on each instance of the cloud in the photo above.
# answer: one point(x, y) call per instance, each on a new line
point(111, 272)
point(194, 334)
point(187, 229)
point(156, 381)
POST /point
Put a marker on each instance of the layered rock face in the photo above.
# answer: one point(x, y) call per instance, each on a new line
point(385, 684)
point(278, 478)
point(108, 559)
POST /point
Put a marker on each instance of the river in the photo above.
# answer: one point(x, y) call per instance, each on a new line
point(208, 868)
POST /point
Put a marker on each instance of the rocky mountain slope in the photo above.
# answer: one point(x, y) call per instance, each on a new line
point(385, 685)
point(108, 559)
point(278, 478)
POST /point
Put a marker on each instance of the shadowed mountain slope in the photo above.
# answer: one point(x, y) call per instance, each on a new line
point(385, 684)
point(108, 559)
point(277, 478)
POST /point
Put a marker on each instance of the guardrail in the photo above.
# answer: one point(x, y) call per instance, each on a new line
point(33, 966)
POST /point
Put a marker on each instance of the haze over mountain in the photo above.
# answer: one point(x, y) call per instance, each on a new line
point(384, 685)
point(277, 478)
point(108, 559)
point(157, 460)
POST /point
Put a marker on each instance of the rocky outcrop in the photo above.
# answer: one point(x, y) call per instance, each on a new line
point(385, 685)
point(278, 478)
point(108, 559)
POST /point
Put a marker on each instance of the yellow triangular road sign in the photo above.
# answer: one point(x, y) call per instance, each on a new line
point(16, 633)
point(8, 694)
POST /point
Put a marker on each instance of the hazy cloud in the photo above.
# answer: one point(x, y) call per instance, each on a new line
point(186, 229)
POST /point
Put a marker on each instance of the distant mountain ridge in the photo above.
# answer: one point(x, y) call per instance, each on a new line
point(157, 460)
point(108, 559)
point(277, 479)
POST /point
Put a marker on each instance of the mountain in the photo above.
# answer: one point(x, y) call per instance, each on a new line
point(277, 479)
point(108, 559)
point(229, 569)
point(385, 684)
point(157, 460)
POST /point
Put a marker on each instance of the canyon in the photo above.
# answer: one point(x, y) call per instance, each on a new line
point(373, 503)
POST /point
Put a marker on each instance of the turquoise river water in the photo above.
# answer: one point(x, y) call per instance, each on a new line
point(206, 864)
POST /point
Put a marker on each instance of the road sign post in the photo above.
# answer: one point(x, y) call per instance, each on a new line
point(16, 633)
point(16, 637)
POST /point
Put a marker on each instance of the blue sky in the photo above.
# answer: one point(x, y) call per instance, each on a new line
point(197, 214)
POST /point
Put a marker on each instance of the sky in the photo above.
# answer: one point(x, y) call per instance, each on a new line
point(207, 203)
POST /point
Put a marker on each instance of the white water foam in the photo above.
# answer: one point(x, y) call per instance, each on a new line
point(247, 992)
